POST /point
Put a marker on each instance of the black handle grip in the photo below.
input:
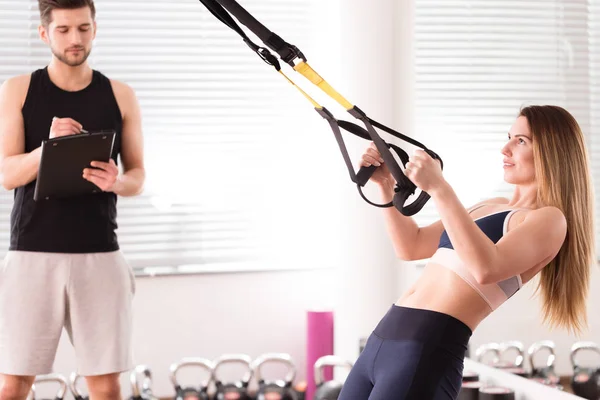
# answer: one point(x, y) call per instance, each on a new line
point(435, 157)
point(414, 207)
point(364, 174)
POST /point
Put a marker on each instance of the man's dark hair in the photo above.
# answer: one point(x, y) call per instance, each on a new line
point(46, 7)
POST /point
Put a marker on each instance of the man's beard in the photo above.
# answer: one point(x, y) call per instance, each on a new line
point(72, 62)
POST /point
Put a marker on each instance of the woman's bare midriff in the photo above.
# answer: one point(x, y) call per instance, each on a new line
point(440, 289)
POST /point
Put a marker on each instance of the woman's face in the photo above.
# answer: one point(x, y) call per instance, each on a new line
point(518, 154)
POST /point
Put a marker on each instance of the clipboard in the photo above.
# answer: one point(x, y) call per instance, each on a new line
point(63, 159)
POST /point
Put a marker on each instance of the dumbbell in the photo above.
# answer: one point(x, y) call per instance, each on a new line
point(279, 389)
point(237, 390)
point(145, 393)
point(586, 380)
point(328, 390)
point(61, 380)
point(77, 394)
point(546, 374)
point(516, 366)
point(191, 393)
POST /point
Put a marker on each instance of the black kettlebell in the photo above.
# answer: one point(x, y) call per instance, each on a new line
point(237, 390)
point(328, 390)
point(77, 394)
point(546, 374)
point(586, 380)
point(58, 378)
point(485, 349)
point(279, 389)
point(191, 393)
point(145, 392)
point(516, 366)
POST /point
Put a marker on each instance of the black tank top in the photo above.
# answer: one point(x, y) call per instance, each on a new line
point(81, 224)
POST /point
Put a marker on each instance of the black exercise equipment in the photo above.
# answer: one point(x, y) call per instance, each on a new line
point(470, 376)
point(482, 352)
point(277, 389)
point(73, 381)
point(469, 390)
point(145, 391)
point(51, 378)
point(237, 390)
point(199, 392)
point(516, 366)
point(586, 380)
point(543, 374)
point(328, 390)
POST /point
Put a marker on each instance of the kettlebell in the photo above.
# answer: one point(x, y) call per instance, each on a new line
point(146, 390)
point(485, 349)
point(545, 374)
point(328, 390)
point(279, 389)
point(61, 380)
point(191, 393)
point(516, 366)
point(237, 390)
point(586, 380)
point(77, 394)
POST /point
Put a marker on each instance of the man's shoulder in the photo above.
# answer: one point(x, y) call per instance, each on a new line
point(125, 96)
point(16, 87)
point(121, 88)
point(17, 82)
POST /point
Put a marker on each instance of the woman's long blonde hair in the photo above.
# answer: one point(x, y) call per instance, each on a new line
point(562, 170)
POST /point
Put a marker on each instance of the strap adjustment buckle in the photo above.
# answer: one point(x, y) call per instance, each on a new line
point(294, 52)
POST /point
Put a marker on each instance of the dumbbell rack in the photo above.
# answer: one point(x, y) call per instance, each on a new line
point(524, 388)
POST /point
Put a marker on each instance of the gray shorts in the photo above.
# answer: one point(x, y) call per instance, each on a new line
point(90, 295)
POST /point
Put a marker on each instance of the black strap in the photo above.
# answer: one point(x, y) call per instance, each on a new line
point(218, 11)
point(404, 186)
point(288, 53)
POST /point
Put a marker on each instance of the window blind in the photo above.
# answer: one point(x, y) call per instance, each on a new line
point(478, 62)
point(210, 120)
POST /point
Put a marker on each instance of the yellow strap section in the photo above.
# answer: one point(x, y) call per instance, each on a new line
point(315, 78)
point(314, 103)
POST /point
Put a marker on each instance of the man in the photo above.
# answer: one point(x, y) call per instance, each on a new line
point(64, 266)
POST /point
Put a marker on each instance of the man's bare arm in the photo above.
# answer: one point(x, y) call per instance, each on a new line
point(17, 168)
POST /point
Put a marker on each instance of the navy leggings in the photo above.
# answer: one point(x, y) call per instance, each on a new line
point(412, 354)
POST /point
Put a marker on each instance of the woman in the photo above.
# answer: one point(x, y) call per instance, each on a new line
point(480, 257)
